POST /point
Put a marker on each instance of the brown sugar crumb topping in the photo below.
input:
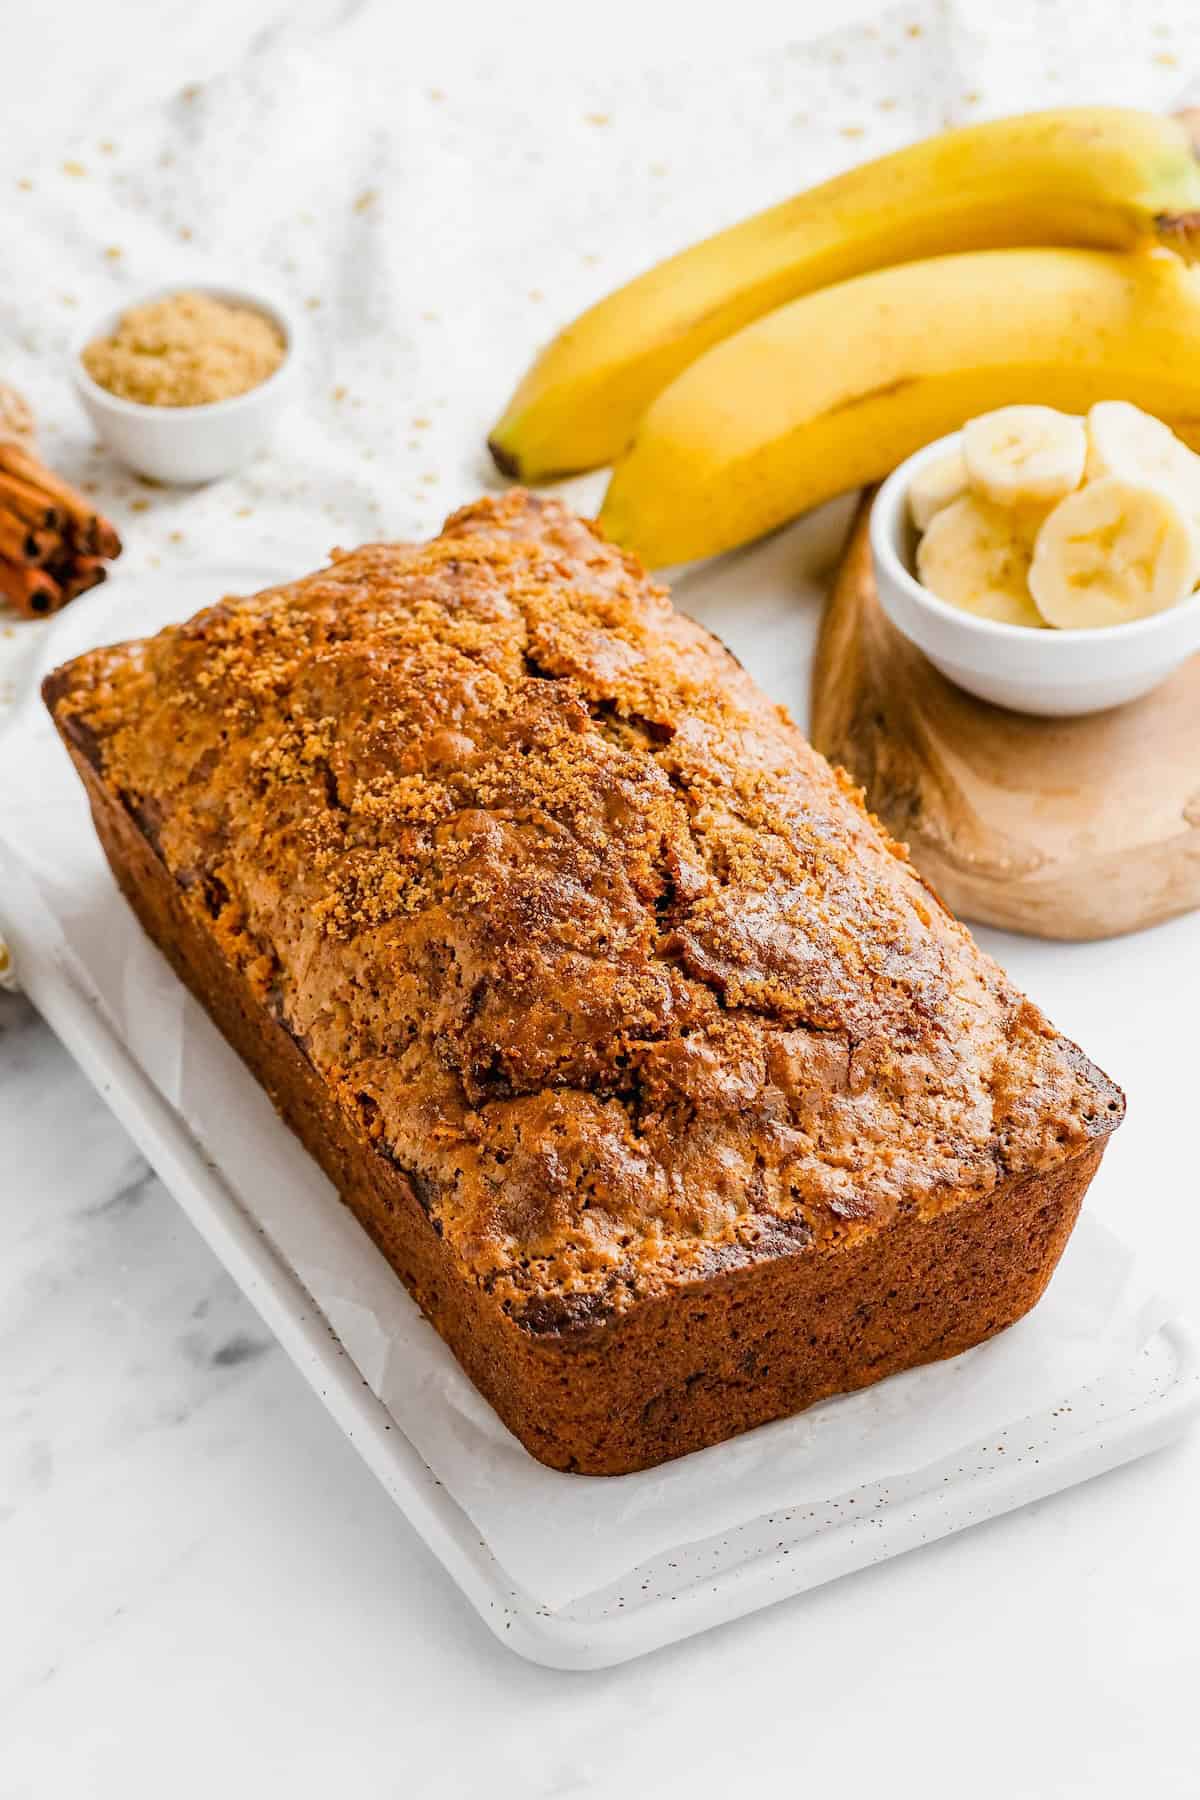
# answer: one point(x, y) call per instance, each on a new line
point(573, 920)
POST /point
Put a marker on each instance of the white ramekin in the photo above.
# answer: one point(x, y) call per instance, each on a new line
point(1058, 674)
point(189, 444)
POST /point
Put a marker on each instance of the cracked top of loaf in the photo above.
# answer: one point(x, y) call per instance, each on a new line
point(573, 921)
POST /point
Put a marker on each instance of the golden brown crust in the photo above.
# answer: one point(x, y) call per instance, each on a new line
point(571, 925)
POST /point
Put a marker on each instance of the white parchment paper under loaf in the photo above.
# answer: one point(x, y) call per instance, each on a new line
point(558, 1536)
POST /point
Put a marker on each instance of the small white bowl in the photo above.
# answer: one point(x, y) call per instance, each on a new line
point(1058, 674)
point(189, 444)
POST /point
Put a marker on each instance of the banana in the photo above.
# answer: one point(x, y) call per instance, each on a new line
point(1126, 442)
point(1024, 455)
point(973, 557)
point(1113, 552)
point(836, 389)
point(935, 486)
point(1106, 177)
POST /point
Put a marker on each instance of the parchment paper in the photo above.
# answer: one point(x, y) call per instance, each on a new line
point(558, 1536)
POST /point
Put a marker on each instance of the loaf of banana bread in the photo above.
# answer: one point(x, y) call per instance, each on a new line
point(675, 1097)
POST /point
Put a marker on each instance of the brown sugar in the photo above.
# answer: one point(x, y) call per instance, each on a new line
point(186, 350)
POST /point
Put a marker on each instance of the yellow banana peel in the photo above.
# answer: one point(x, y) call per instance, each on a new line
point(835, 389)
point(1105, 177)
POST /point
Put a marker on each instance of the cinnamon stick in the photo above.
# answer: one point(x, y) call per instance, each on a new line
point(53, 542)
point(88, 572)
point(20, 544)
point(29, 503)
point(97, 535)
point(31, 591)
point(105, 537)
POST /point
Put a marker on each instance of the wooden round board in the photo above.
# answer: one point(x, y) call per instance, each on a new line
point(1062, 828)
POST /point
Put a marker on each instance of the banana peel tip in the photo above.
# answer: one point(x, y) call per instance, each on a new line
point(505, 461)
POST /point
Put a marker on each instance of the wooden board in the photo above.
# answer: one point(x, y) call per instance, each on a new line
point(1063, 828)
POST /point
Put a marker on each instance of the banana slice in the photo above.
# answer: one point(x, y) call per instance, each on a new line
point(974, 556)
point(1134, 446)
point(1026, 521)
point(1024, 455)
point(1112, 552)
point(936, 485)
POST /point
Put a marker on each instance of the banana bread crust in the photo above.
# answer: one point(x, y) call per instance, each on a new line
point(673, 1095)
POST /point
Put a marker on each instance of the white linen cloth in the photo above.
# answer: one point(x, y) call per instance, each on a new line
point(433, 235)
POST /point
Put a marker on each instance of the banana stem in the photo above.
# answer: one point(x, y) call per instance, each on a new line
point(1180, 232)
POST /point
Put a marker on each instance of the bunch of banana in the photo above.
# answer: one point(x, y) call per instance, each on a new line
point(768, 355)
point(836, 389)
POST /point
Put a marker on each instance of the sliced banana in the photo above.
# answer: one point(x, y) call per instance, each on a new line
point(974, 556)
point(1112, 552)
point(1135, 446)
point(935, 486)
point(1026, 521)
point(1024, 455)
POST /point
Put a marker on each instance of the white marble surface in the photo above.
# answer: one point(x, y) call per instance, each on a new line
point(200, 1584)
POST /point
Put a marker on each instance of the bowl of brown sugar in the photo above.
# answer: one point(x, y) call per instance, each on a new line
point(188, 384)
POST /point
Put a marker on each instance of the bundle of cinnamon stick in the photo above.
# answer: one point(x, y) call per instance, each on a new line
point(53, 543)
